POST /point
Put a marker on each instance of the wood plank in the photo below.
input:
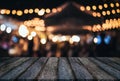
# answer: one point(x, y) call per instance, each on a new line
point(49, 72)
point(94, 70)
point(109, 62)
point(112, 71)
point(11, 66)
point(79, 70)
point(8, 61)
point(115, 59)
point(64, 70)
point(4, 59)
point(34, 70)
point(13, 74)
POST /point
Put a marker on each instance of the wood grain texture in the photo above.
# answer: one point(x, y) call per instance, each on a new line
point(109, 62)
point(64, 69)
point(13, 74)
point(49, 72)
point(79, 70)
point(112, 71)
point(95, 70)
point(53, 68)
point(34, 70)
point(6, 68)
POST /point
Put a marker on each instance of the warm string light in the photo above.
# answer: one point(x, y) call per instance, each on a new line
point(42, 11)
point(109, 24)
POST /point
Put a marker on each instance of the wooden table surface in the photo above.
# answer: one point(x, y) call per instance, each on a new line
point(53, 68)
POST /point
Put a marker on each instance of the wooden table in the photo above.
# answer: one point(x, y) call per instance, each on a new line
point(34, 68)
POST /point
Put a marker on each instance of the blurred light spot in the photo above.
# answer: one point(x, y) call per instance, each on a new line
point(105, 5)
point(13, 12)
point(26, 11)
point(43, 41)
point(41, 12)
point(23, 31)
point(9, 30)
point(3, 27)
point(36, 10)
point(19, 13)
point(33, 33)
point(75, 38)
point(30, 37)
point(30, 11)
point(94, 7)
point(107, 39)
point(82, 8)
point(54, 10)
point(47, 10)
point(88, 8)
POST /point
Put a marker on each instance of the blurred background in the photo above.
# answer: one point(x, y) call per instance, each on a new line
point(64, 28)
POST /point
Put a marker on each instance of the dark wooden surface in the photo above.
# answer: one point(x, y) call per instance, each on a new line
point(21, 68)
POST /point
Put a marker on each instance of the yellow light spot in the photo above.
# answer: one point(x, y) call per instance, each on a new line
point(100, 7)
point(88, 8)
point(7, 12)
point(113, 11)
point(36, 10)
point(118, 10)
point(111, 5)
point(94, 14)
point(26, 11)
point(103, 13)
point(54, 10)
point(82, 8)
point(117, 4)
point(108, 12)
point(105, 5)
point(41, 12)
point(2, 11)
point(98, 14)
point(13, 12)
point(94, 7)
point(47, 10)
point(19, 13)
point(59, 9)
point(30, 11)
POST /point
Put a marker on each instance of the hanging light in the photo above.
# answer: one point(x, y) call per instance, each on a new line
point(100, 7)
point(82, 8)
point(88, 8)
point(26, 11)
point(36, 10)
point(103, 13)
point(9, 30)
point(3, 27)
point(19, 13)
point(23, 31)
point(113, 11)
point(105, 5)
point(117, 4)
point(111, 5)
point(94, 7)
point(30, 11)
point(2, 11)
point(33, 33)
point(30, 37)
point(7, 12)
point(94, 14)
point(43, 41)
point(13, 12)
point(41, 12)
point(47, 10)
point(54, 10)
point(75, 38)
point(108, 12)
